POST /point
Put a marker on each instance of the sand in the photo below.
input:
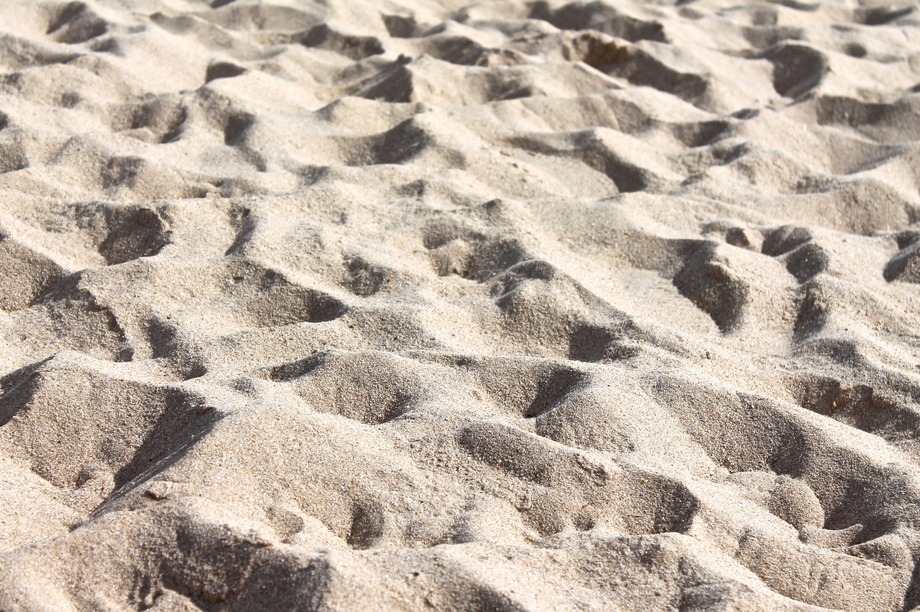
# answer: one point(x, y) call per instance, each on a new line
point(341, 305)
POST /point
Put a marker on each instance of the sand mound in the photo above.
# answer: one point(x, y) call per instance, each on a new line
point(497, 306)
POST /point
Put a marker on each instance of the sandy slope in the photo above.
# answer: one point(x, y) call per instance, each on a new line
point(497, 306)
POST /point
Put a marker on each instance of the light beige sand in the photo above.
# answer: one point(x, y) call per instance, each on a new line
point(499, 306)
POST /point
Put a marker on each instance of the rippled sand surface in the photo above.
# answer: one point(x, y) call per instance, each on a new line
point(346, 305)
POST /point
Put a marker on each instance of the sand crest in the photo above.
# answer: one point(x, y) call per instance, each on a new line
point(510, 305)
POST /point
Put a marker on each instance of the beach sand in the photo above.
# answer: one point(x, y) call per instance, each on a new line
point(422, 304)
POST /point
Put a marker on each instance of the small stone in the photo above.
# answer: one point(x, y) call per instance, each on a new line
point(159, 490)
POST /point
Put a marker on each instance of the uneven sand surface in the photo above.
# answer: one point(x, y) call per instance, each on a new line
point(343, 305)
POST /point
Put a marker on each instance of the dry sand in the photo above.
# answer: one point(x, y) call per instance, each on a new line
point(500, 306)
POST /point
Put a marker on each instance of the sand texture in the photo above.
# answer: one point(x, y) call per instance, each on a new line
point(422, 304)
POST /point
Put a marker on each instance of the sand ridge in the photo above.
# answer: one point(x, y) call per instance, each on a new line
point(472, 306)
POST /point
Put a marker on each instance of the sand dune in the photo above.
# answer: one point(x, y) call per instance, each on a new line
point(427, 304)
